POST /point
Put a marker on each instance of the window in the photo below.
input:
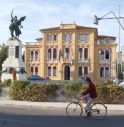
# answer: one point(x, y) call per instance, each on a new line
point(101, 55)
point(32, 55)
point(54, 37)
point(80, 71)
point(102, 72)
point(54, 71)
point(36, 70)
point(32, 70)
point(86, 53)
point(67, 51)
point(36, 55)
point(106, 72)
point(83, 37)
point(49, 71)
point(80, 53)
point(49, 53)
point(106, 54)
point(85, 70)
point(49, 37)
point(67, 37)
point(54, 53)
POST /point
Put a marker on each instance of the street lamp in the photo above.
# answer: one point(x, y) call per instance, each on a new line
point(96, 19)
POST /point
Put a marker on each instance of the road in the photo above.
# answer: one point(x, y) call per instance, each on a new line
point(30, 117)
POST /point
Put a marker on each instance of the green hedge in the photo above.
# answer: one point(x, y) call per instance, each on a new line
point(23, 90)
point(107, 93)
point(110, 93)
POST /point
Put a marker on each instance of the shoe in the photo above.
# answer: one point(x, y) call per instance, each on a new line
point(88, 114)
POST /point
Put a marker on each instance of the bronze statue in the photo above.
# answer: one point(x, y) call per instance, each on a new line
point(15, 26)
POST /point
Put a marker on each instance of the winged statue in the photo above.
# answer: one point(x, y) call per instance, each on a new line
point(15, 26)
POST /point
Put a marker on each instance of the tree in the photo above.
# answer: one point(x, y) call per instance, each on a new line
point(3, 54)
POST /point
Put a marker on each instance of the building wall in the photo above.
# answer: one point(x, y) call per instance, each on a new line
point(92, 62)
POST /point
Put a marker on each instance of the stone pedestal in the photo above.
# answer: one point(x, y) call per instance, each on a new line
point(14, 61)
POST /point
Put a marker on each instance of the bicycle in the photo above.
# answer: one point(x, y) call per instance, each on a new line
point(76, 108)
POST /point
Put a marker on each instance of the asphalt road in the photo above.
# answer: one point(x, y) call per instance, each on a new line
point(29, 117)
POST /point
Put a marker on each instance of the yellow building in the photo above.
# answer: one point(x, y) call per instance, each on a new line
point(69, 52)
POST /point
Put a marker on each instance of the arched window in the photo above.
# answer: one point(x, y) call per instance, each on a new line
point(49, 53)
point(36, 55)
point(32, 70)
point(101, 55)
point(86, 53)
point(36, 70)
point(85, 70)
point(54, 71)
point(107, 54)
point(49, 71)
point(67, 52)
point(80, 71)
point(32, 55)
point(102, 72)
point(107, 72)
point(54, 53)
point(80, 53)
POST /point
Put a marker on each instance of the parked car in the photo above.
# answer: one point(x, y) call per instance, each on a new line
point(37, 79)
point(121, 84)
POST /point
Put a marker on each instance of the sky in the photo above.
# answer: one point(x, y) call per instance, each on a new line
point(42, 14)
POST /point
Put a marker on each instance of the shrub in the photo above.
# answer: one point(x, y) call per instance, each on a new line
point(23, 90)
point(17, 89)
point(110, 93)
point(35, 92)
point(72, 89)
point(7, 82)
point(51, 89)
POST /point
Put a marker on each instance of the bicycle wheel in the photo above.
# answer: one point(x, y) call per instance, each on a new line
point(98, 110)
point(74, 109)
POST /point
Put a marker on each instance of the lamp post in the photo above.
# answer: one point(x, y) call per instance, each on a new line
point(96, 21)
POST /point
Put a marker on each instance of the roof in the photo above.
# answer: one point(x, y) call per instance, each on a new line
point(104, 36)
point(62, 28)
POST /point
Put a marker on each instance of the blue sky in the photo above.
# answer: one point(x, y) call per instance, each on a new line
point(50, 13)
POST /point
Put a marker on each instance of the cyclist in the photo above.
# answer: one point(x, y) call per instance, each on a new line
point(89, 95)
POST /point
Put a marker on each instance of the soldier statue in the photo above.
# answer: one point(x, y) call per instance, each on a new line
point(15, 26)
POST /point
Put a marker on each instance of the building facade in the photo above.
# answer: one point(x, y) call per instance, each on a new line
point(70, 52)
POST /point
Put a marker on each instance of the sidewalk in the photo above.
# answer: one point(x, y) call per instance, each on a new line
point(53, 105)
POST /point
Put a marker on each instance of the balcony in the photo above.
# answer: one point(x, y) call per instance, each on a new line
point(104, 61)
point(32, 43)
point(34, 60)
point(83, 60)
point(52, 61)
point(67, 60)
point(106, 42)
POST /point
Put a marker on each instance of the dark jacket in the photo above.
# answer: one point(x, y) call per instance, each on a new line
point(91, 91)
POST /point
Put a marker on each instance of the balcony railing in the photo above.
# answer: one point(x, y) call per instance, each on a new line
point(83, 60)
point(104, 61)
point(32, 43)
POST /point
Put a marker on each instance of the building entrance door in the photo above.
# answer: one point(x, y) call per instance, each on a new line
point(67, 73)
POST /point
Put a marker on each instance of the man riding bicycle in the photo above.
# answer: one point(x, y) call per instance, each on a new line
point(89, 95)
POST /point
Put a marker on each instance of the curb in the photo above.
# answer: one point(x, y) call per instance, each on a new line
point(48, 105)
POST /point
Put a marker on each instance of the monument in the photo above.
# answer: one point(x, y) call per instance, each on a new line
point(13, 67)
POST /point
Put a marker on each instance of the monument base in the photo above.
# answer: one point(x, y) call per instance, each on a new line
point(14, 61)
